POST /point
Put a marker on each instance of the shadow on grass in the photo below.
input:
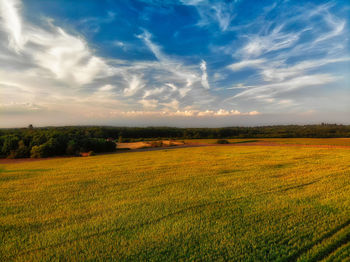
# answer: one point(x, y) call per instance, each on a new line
point(245, 141)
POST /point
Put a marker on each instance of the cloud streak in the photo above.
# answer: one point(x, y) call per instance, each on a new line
point(205, 58)
point(12, 23)
point(203, 67)
point(223, 13)
point(285, 60)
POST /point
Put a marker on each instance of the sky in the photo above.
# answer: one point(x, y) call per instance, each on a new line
point(185, 63)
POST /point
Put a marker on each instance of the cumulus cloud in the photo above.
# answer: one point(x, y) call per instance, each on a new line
point(185, 113)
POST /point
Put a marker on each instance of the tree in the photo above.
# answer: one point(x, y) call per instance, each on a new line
point(21, 152)
point(72, 147)
point(36, 152)
point(40, 151)
point(10, 143)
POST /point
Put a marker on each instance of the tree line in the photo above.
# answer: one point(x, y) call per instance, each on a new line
point(58, 141)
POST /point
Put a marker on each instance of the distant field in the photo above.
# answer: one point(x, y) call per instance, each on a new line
point(148, 144)
point(298, 141)
point(209, 203)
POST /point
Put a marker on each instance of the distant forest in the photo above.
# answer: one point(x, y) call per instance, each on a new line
point(58, 141)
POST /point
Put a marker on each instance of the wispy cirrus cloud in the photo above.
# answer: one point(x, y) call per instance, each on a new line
point(270, 90)
point(45, 65)
point(62, 68)
point(273, 41)
point(203, 67)
point(286, 58)
point(67, 58)
point(222, 12)
point(12, 23)
point(206, 58)
point(246, 63)
point(280, 73)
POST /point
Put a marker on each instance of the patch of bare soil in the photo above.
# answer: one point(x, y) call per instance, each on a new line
point(149, 144)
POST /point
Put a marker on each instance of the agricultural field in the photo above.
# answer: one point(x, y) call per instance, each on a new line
point(246, 203)
point(281, 141)
point(149, 144)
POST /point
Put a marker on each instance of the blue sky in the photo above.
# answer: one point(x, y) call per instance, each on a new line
point(176, 63)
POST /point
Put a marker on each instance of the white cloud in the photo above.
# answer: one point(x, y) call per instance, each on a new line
point(270, 90)
point(317, 41)
point(337, 25)
point(54, 69)
point(107, 87)
point(184, 78)
point(60, 68)
point(135, 84)
point(149, 103)
point(239, 86)
point(172, 86)
point(153, 92)
point(220, 12)
point(172, 105)
point(224, 15)
point(246, 63)
point(9, 11)
point(254, 113)
point(273, 41)
point(281, 73)
point(20, 108)
point(185, 113)
point(67, 57)
point(182, 91)
point(203, 67)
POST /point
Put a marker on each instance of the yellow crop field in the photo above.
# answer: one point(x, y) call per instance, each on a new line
point(281, 141)
point(247, 203)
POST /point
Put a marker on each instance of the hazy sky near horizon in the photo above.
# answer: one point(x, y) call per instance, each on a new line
point(174, 62)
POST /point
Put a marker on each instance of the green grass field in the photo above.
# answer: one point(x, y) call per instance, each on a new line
point(210, 203)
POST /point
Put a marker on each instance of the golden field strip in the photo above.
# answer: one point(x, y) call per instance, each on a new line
point(246, 203)
point(281, 141)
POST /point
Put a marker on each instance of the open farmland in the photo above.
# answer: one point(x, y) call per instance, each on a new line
point(250, 203)
point(280, 141)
